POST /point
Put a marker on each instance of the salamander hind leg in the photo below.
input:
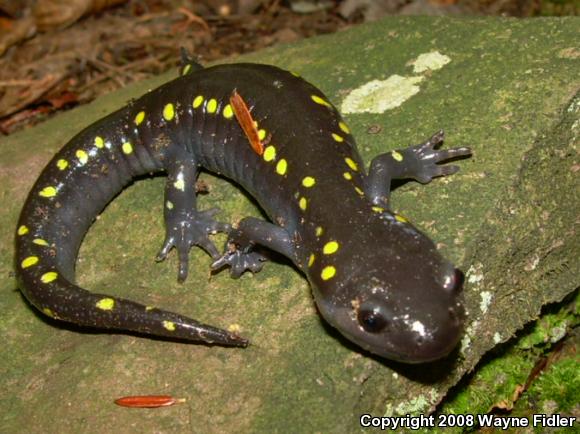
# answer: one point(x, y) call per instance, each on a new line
point(241, 254)
point(185, 225)
point(418, 162)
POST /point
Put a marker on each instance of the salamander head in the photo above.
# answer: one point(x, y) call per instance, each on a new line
point(397, 298)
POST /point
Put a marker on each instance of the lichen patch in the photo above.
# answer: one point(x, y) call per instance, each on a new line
point(378, 96)
point(431, 61)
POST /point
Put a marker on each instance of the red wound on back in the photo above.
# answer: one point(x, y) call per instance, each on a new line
point(246, 121)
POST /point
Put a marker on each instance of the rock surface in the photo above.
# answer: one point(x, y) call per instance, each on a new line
point(508, 89)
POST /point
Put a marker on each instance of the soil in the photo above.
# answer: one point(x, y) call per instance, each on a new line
point(55, 55)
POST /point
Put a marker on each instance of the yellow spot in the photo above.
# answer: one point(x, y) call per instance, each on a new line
point(319, 100)
point(169, 325)
point(397, 156)
point(378, 209)
point(82, 156)
point(127, 148)
point(40, 242)
point(319, 231)
point(106, 304)
point(351, 163)
point(197, 101)
point(330, 247)
point(186, 69)
point(148, 308)
point(48, 312)
point(139, 118)
point(308, 181)
point(295, 74)
point(47, 192)
point(328, 272)
point(343, 127)
point(347, 176)
point(269, 153)
point(228, 112)
point(234, 328)
point(359, 191)
point(281, 167)
point(261, 134)
point(29, 262)
point(179, 184)
point(99, 142)
point(211, 106)
point(169, 205)
point(22, 230)
point(337, 138)
point(401, 219)
point(168, 112)
point(62, 164)
point(302, 203)
point(49, 277)
point(311, 260)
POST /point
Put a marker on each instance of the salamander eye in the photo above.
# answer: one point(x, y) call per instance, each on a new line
point(371, 320)
point(454, 282)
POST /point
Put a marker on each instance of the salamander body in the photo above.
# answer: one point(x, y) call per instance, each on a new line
point(374, 276)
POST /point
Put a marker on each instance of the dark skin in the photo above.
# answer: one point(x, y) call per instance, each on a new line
point(375, 277)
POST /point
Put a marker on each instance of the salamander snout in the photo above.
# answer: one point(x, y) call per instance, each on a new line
point(412, 336)
point(412, 323)
point(434, 336)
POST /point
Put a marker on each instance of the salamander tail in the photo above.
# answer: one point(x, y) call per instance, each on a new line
point(47, 287)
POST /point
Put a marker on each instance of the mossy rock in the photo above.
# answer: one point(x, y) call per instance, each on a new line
point(507, 88)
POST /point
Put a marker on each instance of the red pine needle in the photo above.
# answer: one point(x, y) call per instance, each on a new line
point(246, 122)
point(148, 401)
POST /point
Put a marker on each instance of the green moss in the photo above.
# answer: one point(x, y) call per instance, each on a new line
point(497, 383)
point(551, 328)
point(559, 385)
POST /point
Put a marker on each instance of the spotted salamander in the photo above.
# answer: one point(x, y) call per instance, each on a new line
point(375, 277)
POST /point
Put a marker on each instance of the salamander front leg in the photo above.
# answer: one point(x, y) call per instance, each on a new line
point(417, 162)
point(240, 254)
point(185, 226)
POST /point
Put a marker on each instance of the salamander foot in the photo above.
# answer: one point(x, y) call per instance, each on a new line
point(424, 158)
point(193, 229)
